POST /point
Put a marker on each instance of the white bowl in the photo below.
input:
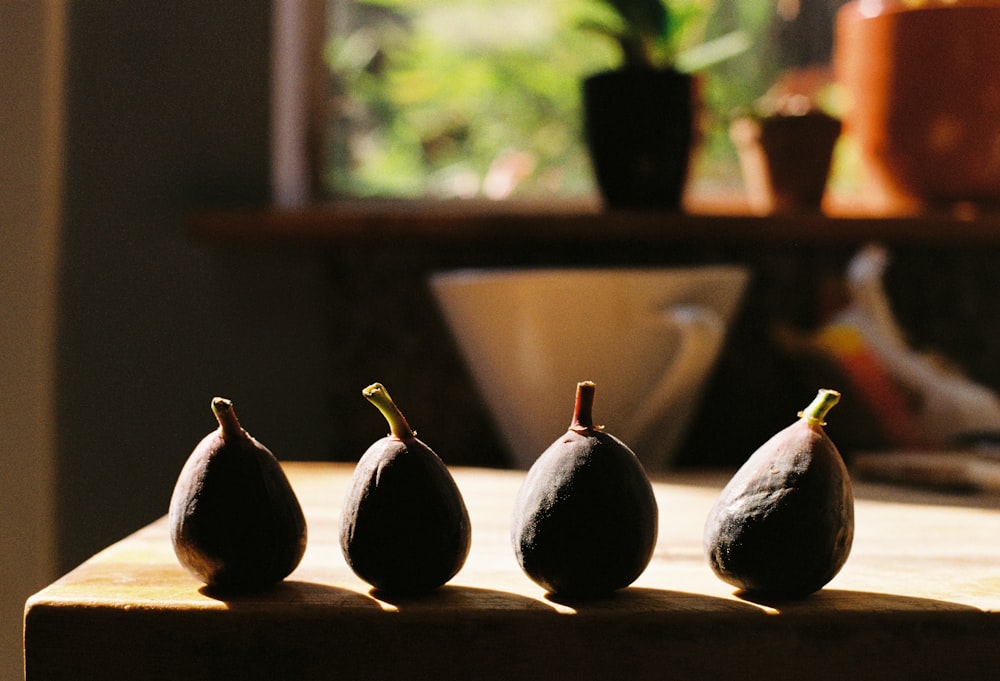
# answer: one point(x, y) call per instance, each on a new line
point(649, 339)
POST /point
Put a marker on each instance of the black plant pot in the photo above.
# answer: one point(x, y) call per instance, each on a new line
point(639, 128)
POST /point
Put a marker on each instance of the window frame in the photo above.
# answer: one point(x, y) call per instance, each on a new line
point(297, 32)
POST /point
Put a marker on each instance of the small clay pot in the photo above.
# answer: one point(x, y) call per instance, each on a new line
point(785, 159)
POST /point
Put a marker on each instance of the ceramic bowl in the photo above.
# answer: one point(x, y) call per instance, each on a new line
point(649, 339)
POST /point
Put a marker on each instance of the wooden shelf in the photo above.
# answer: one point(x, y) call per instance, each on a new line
point(371, 223)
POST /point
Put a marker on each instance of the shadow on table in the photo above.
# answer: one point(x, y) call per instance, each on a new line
point(654, 602)
point(865, 603)
point(454, 597)
point(294, 592)
point(843, 602)
point(630, 600)
point(650, 602)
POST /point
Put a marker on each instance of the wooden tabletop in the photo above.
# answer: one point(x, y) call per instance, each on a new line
point(918, 598)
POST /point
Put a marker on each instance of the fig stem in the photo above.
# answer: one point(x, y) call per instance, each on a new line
point(379, 396)
point(226, 416)
point(583, 410)
point(820, 407)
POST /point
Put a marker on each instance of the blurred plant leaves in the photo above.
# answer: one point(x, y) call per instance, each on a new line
point(431, 96)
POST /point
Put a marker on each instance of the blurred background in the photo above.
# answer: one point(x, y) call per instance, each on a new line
point(443, 97)
point(119, 119)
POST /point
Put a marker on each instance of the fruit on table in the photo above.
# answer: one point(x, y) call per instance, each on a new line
point(235, 522)
point(784, 523)
point(585, 518)
point(404, 526)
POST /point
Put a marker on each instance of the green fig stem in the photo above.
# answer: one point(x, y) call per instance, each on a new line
point(820, 407)
point(379, 396)
point(583, 410)
point(226, 416)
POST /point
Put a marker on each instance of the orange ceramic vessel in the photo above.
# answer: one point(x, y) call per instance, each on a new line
point(922, 86)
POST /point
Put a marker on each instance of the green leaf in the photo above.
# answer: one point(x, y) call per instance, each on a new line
point(714, 51)
point(644, 17)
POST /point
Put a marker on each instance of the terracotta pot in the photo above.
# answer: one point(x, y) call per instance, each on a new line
point(639, 131)
point(923, 99)
point(785, 160)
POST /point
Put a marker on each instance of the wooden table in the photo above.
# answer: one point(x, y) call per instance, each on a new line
point(919, 598)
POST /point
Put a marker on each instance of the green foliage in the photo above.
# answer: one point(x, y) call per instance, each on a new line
point(463, 98)
point(649, 33)
point(449, 97)
point(642, 25)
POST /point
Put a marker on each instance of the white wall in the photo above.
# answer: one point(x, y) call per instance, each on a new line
point(30, 75)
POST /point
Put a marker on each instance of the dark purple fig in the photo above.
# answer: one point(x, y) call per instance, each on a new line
point(404, 526)
point(585, 520)
point(784, 524)
point(235, 522)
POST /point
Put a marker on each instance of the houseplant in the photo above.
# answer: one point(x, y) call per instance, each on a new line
point(640, 118)
point(785, 143)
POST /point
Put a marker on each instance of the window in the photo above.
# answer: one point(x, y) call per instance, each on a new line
point(459, 98)
point(480, 98)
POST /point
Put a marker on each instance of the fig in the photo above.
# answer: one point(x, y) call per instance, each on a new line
point(235, 522)
point(404, 526)
point(784, 523)
point(585, 519)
